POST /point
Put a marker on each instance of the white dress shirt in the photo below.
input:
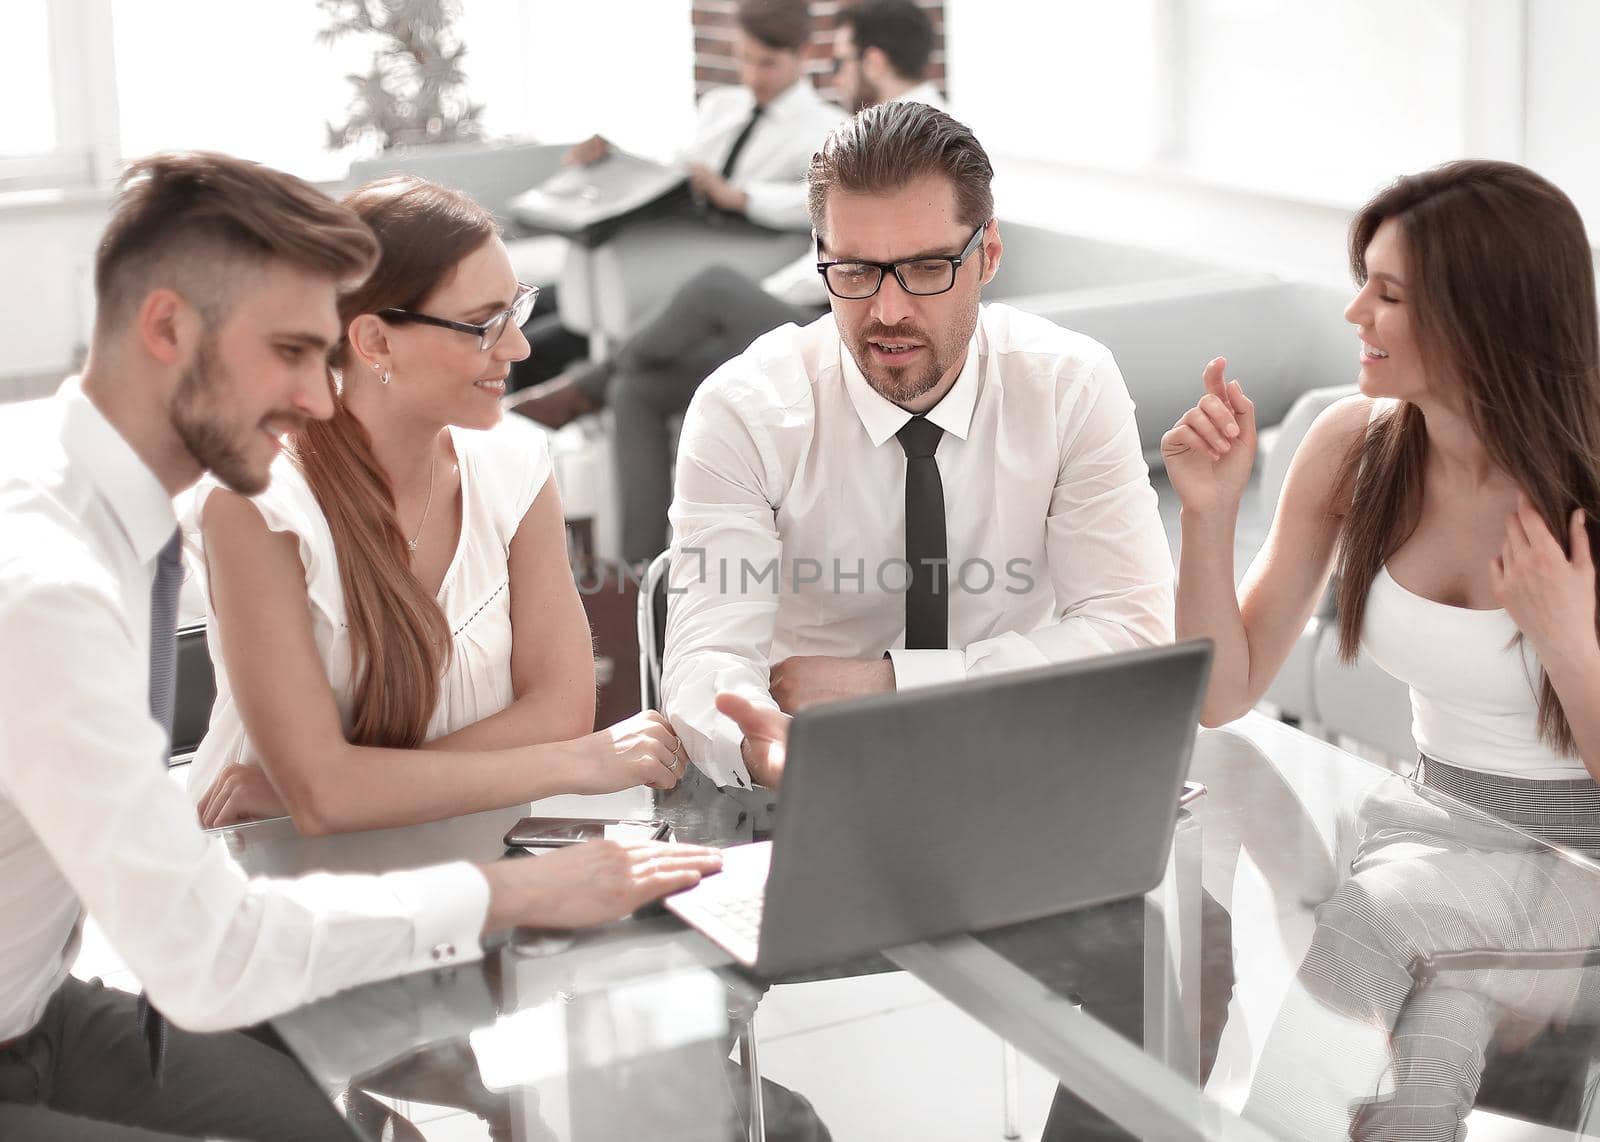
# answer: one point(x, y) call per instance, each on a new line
point(798, 283)
point(89, 818)
point(776, 158)
point(788, 460)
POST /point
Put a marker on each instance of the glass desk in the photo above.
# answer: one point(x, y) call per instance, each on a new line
point(625, 1032)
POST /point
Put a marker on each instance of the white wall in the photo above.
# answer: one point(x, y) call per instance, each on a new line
point(46, 259)
point(623, 68)
point(1563, 100)
point(1090, 111)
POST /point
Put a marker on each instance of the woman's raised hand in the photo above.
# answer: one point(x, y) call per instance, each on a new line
point(1210, 451)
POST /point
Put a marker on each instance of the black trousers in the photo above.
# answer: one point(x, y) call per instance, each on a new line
point(83, 1075)
point(712, 318)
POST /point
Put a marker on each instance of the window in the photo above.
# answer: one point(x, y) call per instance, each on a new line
point(1072, 79)
point(1309, 102)
point(58, 127)
point(26, 74)
point(1323, 101)
point(192, 75)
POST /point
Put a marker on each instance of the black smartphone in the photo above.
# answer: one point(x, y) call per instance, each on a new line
point(558, 832)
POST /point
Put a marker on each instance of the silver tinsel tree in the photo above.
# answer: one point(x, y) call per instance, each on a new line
point(415, 90)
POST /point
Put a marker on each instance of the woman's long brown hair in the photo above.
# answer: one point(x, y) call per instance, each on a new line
point(1502, 295)
point(399, 640)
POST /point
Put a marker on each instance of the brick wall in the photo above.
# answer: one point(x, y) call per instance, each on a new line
point(713, 43)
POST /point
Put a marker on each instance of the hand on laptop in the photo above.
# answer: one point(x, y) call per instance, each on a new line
point(805, 680)
point(591, 883)
point(766, 737)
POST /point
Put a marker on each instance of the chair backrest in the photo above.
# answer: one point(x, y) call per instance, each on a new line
point(1281, 338)
point(652, 630)
point(1291, 431)
point(491, 174)
point(193, 694)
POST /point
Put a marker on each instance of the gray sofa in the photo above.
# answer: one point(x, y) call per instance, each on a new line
point(492, 174)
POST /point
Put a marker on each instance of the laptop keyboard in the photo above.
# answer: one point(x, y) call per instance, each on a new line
point(740, 912)
point(727, 906)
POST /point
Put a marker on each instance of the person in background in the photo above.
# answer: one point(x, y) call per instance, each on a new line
point(1454, 496)
point(397, 634)
point(881, 53)
point(216, 285)
point(752, 140)
point(746, 157)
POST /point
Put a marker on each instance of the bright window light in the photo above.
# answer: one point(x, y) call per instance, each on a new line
point(29, 124)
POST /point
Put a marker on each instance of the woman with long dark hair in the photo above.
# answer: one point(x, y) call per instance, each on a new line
point(396, 630)
point(1454, 498)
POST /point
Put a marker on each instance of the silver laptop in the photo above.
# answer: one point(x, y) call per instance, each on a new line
point(908, 816)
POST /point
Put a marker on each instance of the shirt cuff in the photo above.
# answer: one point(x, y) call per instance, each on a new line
point(451, 902)
point(723, 760)
point(914, 669)
point(775, 207)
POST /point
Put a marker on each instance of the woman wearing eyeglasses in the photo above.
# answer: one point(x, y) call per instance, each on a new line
point(397, 633)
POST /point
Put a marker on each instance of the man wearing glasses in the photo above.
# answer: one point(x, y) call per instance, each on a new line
point(920, 488)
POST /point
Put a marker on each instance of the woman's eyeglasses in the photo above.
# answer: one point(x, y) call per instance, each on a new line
point(488, 333)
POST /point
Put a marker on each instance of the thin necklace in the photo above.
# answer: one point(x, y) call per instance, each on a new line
point(432, 468)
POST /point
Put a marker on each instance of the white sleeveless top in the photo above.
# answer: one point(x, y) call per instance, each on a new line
point(502, 471)
point(1474, 685)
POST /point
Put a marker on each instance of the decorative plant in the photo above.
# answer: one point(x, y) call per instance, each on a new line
point(415, 90)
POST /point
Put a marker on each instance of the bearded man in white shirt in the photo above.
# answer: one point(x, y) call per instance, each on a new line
point(917, 488)
point(793, 564)
point(216, 286)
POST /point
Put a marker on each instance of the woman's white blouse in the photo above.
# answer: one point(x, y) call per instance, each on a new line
point(502, 471)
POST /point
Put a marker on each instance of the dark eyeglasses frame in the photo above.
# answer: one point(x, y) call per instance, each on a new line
point(894, 268)
point(526, 296)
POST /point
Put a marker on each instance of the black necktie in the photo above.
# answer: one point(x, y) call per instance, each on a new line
point(927, 599)
point(739, 141)
point(163, 677)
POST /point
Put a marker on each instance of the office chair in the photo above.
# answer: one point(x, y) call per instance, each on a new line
point(1511, 1084)
point(652, 648)
point(194, 691)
